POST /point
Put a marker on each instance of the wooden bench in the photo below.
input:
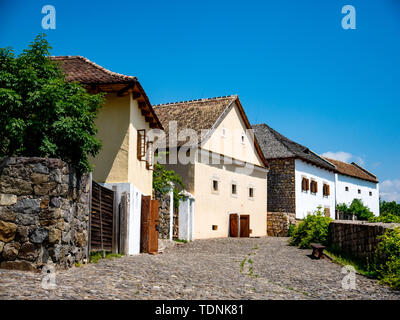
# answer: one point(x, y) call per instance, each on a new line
point(318, 250)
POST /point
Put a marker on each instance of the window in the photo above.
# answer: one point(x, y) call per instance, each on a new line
point(370, 193)
point(242, 138)
point(359, 191)
point(326, 190)
point(346, 188)
point(314, 187)
point(141, 145)
point(251, 192)
point(223, 132)
point(327, 211)
point(149, 156)
point(215, 185)
point(305, 184)
point(234, 189)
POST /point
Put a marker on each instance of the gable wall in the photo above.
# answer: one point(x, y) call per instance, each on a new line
point(231, 144)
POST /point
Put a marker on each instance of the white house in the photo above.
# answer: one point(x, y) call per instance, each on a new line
point(354, 182)
point(299, 180)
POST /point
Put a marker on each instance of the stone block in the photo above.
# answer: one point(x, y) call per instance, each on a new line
point(8, 199)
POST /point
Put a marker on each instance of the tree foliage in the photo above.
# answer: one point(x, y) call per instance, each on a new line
point(357, 207)
point(162, 179)
point(41, 113)
point(389, 212)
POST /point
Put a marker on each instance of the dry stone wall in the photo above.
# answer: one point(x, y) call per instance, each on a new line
point(358, 238)
point(278, 223)
point(44, 214)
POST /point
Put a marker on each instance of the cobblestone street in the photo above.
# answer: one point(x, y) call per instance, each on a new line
point(259, 268)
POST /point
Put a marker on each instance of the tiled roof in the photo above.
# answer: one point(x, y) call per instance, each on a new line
point(202, 116)
point(83, 70)
point(86, 72)
point(276, 146)
point(353, 170)
point(198, 115)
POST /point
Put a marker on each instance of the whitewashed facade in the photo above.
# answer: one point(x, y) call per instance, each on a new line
point(308, 202)
point(349, 188)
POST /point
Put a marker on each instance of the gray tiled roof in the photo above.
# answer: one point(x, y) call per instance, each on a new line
point(276, 146)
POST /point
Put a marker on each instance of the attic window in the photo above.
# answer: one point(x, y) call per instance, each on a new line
point(251, 192)
point(370, 193)
point(242, 138)
point(346, 188)
point(359, 191)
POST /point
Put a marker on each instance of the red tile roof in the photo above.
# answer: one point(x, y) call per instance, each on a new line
point(85, 71)
point(353, 170)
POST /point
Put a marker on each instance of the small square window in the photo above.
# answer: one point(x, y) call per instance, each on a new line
point(370, 193)
point(242, 138)
point(359, 191)
point(234, 188)
point(215, 185)
point(251, 193)
point(346, 188)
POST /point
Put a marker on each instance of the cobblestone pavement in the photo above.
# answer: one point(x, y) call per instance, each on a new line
point(257, 268)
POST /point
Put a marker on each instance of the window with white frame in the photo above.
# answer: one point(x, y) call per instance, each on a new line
point(234, 189)
point(251, 193)
point(215, 185)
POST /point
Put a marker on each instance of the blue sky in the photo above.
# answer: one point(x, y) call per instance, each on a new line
point(291, 63)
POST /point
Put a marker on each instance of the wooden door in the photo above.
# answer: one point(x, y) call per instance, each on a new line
point(244, 226)
point(102, 231)
point(149, 225)
point(233, 225)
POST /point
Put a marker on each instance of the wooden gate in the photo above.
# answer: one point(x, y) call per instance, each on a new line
point(149, 225)
point(233, 225)
point(102, 218)
point(244, 226)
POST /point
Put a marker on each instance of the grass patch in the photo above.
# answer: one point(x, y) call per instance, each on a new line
point(360, 266)
point(96, 256)
point(180, 240)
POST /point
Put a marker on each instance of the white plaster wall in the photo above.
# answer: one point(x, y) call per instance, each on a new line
point(134, 213)
point(307, 202)
point(354, 184)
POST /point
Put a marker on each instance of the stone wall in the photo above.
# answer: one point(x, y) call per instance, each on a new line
point(163, 215)
point(44, 214)
point(278, 223)
point(281, 186)
point(357, 238)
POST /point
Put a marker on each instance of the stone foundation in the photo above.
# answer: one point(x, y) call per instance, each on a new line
point(44, 214)
point(278, 223)
point(163, 215)
point(358, 238)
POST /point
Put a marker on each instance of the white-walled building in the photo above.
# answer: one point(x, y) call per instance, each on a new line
point(354, 182)
point(300, 181)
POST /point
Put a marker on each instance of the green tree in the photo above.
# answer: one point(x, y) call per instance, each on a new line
point(357, 208)
point(41, 113)
point(162, 178)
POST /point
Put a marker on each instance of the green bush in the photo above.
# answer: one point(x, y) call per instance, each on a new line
point(291, 229)
point(388, 253)
point(389, 212)
point(314, 228)
point(357, 208)
point(41, 113)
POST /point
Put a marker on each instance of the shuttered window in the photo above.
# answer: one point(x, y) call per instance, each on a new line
point(314, 187)
point(326, 190)
point(305, 184)
point(141, 145)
